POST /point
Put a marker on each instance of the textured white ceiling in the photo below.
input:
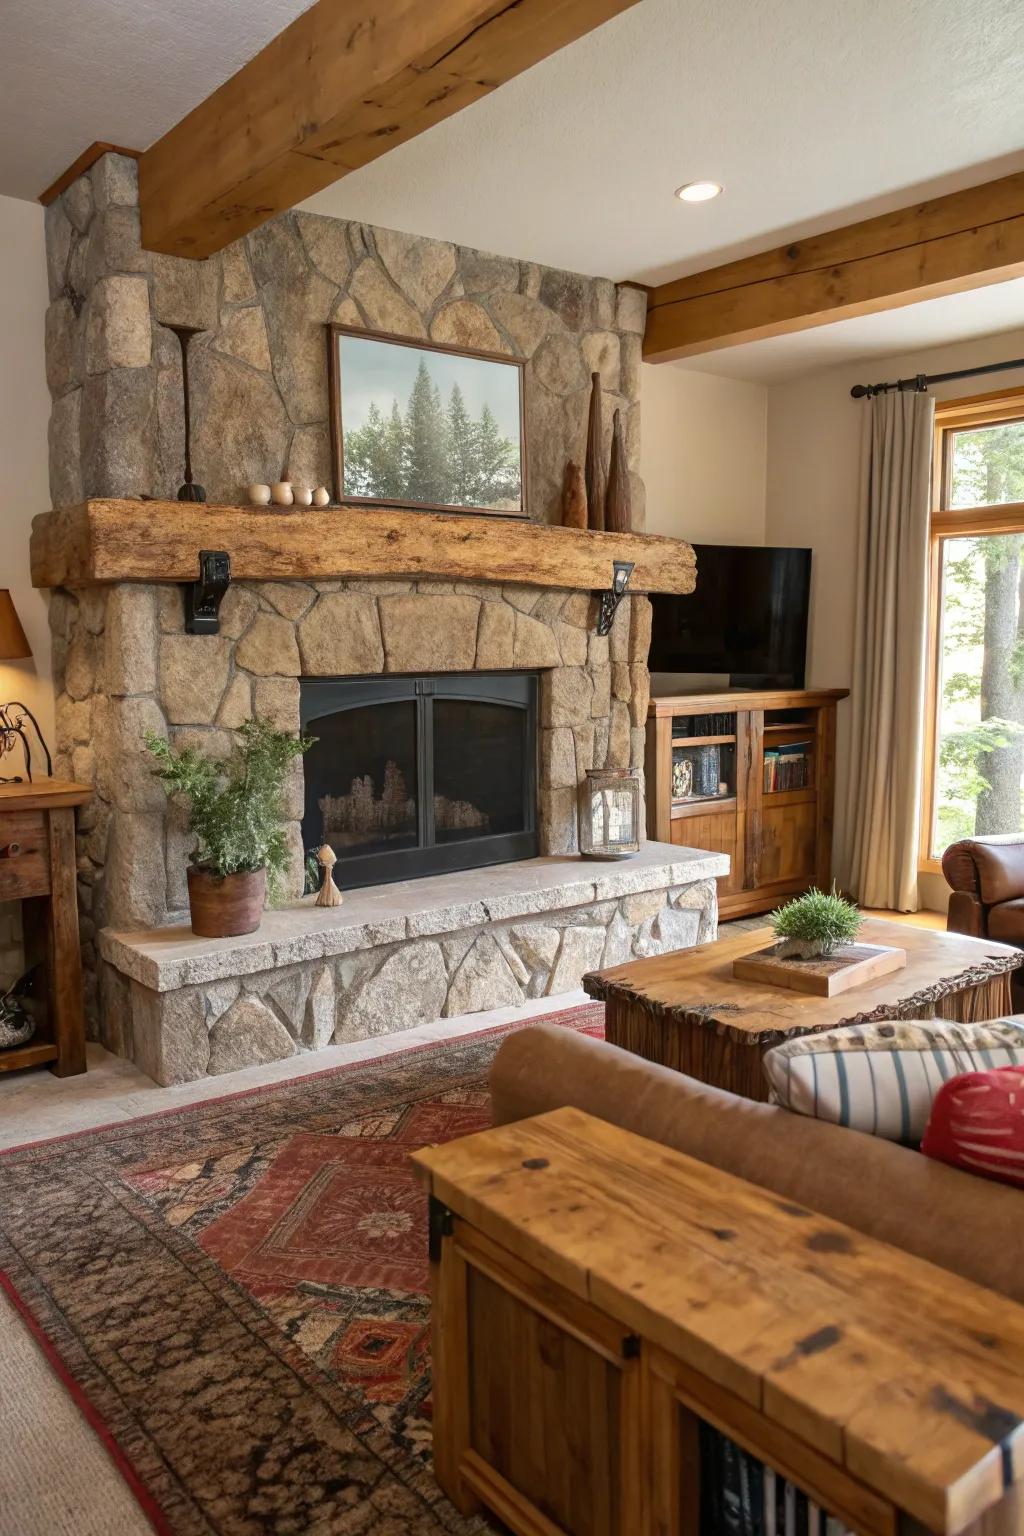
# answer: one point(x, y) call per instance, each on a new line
point(124, 71)
point(810, 112)
point(807, 111)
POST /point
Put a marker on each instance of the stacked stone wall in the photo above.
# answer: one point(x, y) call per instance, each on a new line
point(259, 370)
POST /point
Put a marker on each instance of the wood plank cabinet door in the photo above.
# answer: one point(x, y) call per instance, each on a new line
point(789, 828)
point(551, 1443)
point(720, 832)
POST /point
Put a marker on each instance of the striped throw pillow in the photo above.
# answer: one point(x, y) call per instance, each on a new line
point(882, 1078)
point(977, 1123)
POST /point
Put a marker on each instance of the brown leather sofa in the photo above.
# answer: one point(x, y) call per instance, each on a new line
point(986, 875)
point(965, 1224)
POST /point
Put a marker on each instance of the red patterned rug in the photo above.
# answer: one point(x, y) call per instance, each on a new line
point(237, 1289)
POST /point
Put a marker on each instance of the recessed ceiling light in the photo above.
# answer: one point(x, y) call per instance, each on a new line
point(698, 191)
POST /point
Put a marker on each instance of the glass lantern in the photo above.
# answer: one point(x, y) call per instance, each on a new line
point(610, 813)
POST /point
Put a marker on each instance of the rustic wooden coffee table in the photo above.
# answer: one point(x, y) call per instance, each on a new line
point(686, 1009)
point(596, 1297)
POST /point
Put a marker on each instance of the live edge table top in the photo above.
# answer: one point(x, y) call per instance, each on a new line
point(697, 985)
point(907, 1378)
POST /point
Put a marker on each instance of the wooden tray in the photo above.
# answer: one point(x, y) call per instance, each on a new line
point(852, 966)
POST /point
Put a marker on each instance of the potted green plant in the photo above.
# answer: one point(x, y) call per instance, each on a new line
point(815, 924)
point(235, 811)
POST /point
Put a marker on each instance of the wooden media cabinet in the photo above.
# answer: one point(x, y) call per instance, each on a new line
point(770, 804)
point(607, 1311)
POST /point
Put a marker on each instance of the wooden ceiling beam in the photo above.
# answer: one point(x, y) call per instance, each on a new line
point(78, 167)
point(346, 82)
point(948, 244)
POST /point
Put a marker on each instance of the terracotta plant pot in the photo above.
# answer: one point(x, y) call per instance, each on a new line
point(223, 906)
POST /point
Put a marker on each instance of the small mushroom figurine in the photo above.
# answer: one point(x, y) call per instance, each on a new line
point(328, 894)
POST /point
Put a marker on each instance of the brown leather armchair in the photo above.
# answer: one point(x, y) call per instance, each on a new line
point(987, 877)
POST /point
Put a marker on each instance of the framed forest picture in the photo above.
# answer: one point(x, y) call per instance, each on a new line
point(414, 424)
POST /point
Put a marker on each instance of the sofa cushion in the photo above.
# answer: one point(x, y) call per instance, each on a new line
point(882, 1078)
point(874, 1186)
point(977, 1123)
point(1006, 922)
point(1000, 865)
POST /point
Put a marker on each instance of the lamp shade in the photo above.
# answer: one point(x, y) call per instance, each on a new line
point(13, 644)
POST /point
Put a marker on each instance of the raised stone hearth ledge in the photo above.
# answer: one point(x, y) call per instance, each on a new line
point(104, 541)
point(395, 956)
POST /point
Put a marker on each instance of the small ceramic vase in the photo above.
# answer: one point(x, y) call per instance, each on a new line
point(281, 491)
point(321, 496)
point(303, 495)
point(259, 495)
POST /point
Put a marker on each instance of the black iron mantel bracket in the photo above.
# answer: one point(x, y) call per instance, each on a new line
point(622, 570)
point(204, 597)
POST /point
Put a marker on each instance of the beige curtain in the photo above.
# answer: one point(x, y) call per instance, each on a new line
point(890, 646)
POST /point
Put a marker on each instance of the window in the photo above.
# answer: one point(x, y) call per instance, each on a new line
point(975, 721)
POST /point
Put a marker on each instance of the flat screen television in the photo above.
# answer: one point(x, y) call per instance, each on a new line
point(747, 617)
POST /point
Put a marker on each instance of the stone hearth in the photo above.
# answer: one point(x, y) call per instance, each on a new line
point(395, 956)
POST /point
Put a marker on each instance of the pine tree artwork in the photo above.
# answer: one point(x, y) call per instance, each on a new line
point(426, 427)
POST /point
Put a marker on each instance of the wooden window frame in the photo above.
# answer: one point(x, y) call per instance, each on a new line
point(961, 522)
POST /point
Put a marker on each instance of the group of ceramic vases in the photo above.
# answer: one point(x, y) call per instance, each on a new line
point(284, 494)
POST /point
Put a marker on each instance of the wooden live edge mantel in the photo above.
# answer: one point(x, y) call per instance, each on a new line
point(99, 542)
point(597, 1297)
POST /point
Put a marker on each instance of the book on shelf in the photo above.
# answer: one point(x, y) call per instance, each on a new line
point(786, 767)
point(704, 725)
point(740, 1496)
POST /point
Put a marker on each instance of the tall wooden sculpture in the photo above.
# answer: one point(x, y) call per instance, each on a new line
point(594, 468)
point(618, 511)
point(574, 497)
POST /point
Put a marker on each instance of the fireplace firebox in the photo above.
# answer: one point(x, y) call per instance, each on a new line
point(419, 775)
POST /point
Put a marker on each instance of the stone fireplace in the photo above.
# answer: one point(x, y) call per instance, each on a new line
point(519, 669)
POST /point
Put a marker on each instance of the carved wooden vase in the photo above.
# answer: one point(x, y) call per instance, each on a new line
point(618, 510)
point(223, 906)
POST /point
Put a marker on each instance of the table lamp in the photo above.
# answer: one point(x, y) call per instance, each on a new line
point(16, 718)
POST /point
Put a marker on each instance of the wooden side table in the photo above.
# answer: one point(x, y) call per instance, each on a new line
point(598, 1300)
point(37, 867)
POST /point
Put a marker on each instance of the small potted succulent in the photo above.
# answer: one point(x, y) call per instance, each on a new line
point(235, 811)
point(815, 924)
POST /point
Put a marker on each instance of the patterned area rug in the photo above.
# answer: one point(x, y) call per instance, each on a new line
point(239, 1290)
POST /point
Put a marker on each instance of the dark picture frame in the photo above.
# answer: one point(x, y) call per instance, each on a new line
point(335, 334)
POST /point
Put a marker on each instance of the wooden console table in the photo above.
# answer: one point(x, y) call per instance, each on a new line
point(598, 1298)
point(37, 867)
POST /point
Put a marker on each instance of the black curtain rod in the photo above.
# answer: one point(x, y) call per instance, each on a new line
point(921, 381)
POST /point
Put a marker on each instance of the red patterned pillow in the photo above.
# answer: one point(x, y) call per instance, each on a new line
point(977, 1123)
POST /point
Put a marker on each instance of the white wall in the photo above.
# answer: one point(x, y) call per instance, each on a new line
point(813, 471)
point(703, 455)
point(24, 414)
